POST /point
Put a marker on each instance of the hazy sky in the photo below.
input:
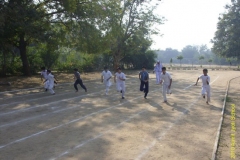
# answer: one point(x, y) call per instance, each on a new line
point(189, 22)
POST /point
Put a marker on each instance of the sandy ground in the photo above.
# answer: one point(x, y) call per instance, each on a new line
point(229, 146)
point(92, 126)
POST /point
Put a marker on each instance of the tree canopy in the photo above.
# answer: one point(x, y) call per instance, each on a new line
point(226, 42)
point(53, 31)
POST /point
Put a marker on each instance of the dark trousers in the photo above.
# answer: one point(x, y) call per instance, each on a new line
point(144, 87)
point(79, 81)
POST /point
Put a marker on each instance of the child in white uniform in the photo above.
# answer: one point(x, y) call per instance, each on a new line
point(44, 77)
point(119, 79)
point(50, 79)
point(205, 85)
point(106, 76)
point(158, 71)
point(166, 80)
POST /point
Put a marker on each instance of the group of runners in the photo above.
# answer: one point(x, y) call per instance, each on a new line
point(162, 77)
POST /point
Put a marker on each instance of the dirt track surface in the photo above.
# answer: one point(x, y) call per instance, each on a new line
point(92, 126)
point(227, 142)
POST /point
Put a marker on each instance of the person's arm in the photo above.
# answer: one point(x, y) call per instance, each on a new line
point(101, 78)
point(41, 76)
point(45, 80)
point(109, 78)
point(123, 79)
point(197, 81)
point(170, 83)
point(139, 75)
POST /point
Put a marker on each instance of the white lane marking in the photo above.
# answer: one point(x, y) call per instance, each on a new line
point(49, 96)
point(42, 105)
point(72, 121)
point(188, 87)
point(99, 135)
point(102, 134)
point(40, 91)
point(42, 115)
point(29, 89)
point(152, 144)
point(61, 84)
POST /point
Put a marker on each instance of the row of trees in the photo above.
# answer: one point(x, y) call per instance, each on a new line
point(226, 43)
point(69, 33)
point(192, 55)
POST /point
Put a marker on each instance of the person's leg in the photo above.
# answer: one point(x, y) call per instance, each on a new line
point(146, 89)
point(203, 92)
point(208, 90)
point(168, 90)
point(123, 90)
point(81, 84)
point(46, 85)
point(51, 91)
point(157, 77)
point(75, 85)
point(141, 86)
point(164, 89)
point(118, 86)
point(107, 89)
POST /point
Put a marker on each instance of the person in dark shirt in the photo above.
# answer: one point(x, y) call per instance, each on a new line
point(144, 77)
point(78, 80)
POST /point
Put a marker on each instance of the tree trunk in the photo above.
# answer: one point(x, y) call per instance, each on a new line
point(3, 73)
point(23, 54)
point(115, 62)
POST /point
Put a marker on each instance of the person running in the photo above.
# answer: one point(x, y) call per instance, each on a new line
point(206, 89)
point(119, 79)
point(106, 76)
point(158, 71)
point(78, 80)
point(50, 79)
point(166, 81)
point(144, 77)
point(44, 78)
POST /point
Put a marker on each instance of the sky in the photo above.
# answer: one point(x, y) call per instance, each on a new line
point(189, 22)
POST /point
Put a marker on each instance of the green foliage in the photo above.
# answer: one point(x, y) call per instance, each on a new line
point(180, 57)
point(86, 34)
point(226, 41)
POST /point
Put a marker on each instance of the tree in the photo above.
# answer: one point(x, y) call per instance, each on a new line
point(26, 22)
point(210, 61)
point(230, 60)
point(226, 40)
point(124, 19)
point(201, 58)
point(171, 62)
point(180, 57)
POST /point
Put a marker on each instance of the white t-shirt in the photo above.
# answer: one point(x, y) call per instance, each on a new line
point(158, 68)
point(204, 79)
point(106, 75)
point(120, 75)
point(166, 78)
point(44, 74)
